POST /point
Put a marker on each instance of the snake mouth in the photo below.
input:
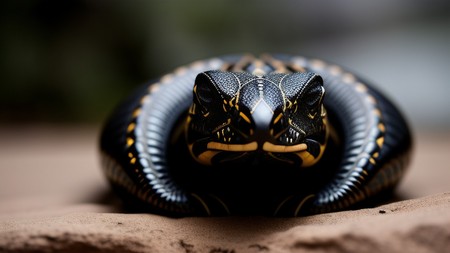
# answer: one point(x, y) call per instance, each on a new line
point(252, 146)
point(306, 154)
point(269, 147)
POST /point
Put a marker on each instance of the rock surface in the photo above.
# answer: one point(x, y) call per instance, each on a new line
point(53, 198)
point(418, 225)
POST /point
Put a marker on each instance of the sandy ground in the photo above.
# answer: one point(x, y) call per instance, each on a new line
point(53, 198)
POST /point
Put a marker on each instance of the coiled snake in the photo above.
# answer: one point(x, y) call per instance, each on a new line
point(275, 135)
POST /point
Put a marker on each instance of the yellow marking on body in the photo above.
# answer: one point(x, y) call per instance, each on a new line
point(267, 146)
point(244, 117)
point(224, 108)
point(202, 202)
point(258, 72)
point(231, 101)
point(166, 78)
point(192, 109)
point(197, 64)
point(380, 141)
point(222, 126)
point(225, 66)
point(144, 99)
point(130, 141)
point(239, 66)
point(372, 161)
point(188, 121)
point(335, 70)
point(382, 127)
point(206, 115)
point(308, 159)
point(278, 118)
point(360, 87)
point(131, 127)
point(297, 67)
point(323, 112)
point(311, 116)
point(133, 160)
point(154, 87)
point(377, 112)
point(371, 99)
point(233, 147)
point(205, 157)
point(376, 154)
point(136, 112)
point(181, 70)
point(365, 172)
point(258, 68)
point(299, 207)
point(130, 155)
point(348, 78)
point(289, 104)
point(315, 63)
point(258, 63)
point(279, 66)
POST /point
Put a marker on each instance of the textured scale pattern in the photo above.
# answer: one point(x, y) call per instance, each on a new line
point(141, 158)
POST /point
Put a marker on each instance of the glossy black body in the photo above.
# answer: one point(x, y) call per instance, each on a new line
point(146, 159)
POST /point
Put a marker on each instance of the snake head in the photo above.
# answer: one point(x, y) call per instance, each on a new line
point(237, 116)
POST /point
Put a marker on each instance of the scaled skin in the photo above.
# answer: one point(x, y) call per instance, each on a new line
point(239, 116)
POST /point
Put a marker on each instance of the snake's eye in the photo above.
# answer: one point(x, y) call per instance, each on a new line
point(204, 94)
point(304, 90)
point(313, 98)
point(205, 90)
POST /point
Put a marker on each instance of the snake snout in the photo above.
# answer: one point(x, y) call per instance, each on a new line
point(262, 117)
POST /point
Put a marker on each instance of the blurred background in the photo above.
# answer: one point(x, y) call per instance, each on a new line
point(64, 65)
point(72, 61)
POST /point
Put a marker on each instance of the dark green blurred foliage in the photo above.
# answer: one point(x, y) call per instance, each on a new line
point(68, 60)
